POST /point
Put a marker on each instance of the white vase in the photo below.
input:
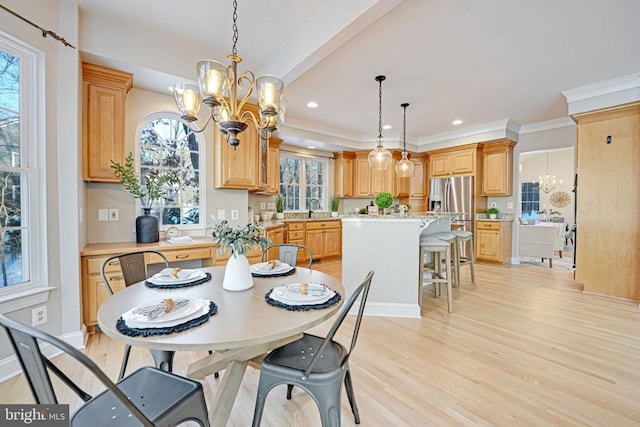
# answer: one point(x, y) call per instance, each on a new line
point(492, 216)
point(279, 215)
point(334, 214)
point(237, 275)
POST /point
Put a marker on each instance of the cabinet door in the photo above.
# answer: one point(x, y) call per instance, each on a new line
point(488, 245)
point(343, 174)
point(441, 164)
point(495, 179)
point(418, 179)
point(378, 181)
point(332, 242)
point(462, 162)
point(314, 242)
point(273, 166)
point(362, 182)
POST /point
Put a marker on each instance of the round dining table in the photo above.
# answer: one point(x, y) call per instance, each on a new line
point(243, 330)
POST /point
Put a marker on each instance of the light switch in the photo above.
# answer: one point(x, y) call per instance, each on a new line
point(221, 214)
point(509, 205)
point(234, 214)
point(114, 215)
point(103, 214)
point(263, 205)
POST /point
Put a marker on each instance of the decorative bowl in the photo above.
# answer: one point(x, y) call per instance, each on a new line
point(266, 215)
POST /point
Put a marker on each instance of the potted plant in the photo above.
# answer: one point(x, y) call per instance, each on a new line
point(238, 241)
point(334, 202)
point(384, 199)
point(493, 212)
point(279, 207)
point(155, 186)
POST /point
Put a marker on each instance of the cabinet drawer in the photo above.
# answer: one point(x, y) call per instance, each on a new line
point(323, 225)
point(295, 226)
point(488, 225)
point(95, 264)
point(181, 255)
point(295, 235)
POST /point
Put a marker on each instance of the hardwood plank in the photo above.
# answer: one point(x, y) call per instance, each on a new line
point(524, 347)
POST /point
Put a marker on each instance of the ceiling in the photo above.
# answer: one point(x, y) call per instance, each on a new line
point(484, 62)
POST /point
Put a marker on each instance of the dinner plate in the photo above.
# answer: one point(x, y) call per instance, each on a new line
point(317, 293)
point(261, 268)
point(191, 307)
point(184, 276)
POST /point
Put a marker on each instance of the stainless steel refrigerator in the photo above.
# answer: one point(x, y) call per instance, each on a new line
point(455, 194)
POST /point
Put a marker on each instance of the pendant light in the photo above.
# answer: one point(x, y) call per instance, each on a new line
point(379, 157)
point(404, 168)
point(547, 182)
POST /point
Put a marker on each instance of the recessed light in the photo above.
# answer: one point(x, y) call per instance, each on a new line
point(312, 104)
point(386, 127)
point(311, 147)
point(456, 122)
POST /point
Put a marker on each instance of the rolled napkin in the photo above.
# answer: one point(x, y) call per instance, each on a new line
point(180, 239)
point(270, 265)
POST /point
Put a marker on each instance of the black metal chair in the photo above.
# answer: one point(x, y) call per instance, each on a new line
point(318, 365)
point(288, 253)
point(133, 266)
point(149, 396)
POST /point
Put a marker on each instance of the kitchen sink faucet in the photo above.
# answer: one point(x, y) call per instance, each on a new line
point(311, 210)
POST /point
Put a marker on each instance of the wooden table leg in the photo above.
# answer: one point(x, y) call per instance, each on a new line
point(226, 395)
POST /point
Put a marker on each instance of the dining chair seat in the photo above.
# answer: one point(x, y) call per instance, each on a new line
point(318, 365)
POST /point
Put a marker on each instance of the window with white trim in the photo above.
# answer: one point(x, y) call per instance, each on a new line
point(167, 143)
point(18, 184)
point(303, 179)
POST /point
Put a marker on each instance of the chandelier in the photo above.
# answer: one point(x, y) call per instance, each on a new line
point(547, 182)
point(379, 157)
point(217, 88)
point(404, 168)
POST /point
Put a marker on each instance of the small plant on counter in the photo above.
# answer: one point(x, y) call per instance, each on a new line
point(384, 199)
point(238, 240)
point(279, 204)
point(492, 211)
point(334, 202)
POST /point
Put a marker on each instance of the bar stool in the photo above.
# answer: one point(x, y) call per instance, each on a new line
point(463, 236)
point(451, 238)
point(436, 247)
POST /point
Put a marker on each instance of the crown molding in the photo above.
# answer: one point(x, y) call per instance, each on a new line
point(607, 87)
point(547, 125)
point(501, 126)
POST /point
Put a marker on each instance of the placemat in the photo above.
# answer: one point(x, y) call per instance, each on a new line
point(124, 329)
point(205, 279)
point(286, 273)
point(333, 300)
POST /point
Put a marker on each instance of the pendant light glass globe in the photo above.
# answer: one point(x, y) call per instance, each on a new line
point(405, 167)
point(379, 157)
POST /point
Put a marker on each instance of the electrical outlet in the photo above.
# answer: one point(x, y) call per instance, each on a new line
point(271, 205)
point(103, 214)
point(509, 205)
point(39, 316)
point(114, 214)
point(234, 214)
point(494, 205)
point(263, 205)
point(221, 214)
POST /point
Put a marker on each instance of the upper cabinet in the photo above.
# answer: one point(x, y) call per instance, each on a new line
point(454, 161)
point(497, 165)
point(103, 113)
point(239, 168)
point(268, 166)
point(343, 174)
point(369, 182)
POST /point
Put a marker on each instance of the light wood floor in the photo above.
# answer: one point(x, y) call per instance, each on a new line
point(524, 347)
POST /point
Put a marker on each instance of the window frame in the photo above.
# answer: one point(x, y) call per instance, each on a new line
point(172, 115)
point(33, 163)
point(302, 158)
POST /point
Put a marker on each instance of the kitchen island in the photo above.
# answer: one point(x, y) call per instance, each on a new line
point(389, 245)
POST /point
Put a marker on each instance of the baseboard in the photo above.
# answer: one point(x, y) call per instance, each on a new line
point(388, 310)
point(10, 367)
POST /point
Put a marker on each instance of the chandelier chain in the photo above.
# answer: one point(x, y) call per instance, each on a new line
point(235, 27)
point(404, 128)
point(380, 108)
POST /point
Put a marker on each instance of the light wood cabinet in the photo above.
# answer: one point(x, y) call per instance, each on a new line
point(276, 236)
point(295, 234)
point(414, 190)
point(362, 177)
point(607, 249)
point(268, 166)
point(343, 173)
point(493, 241)
point(238, 168)
point(454, 161)
point(369, 182)
point(103, 116)
point(497, 170)
point(324, 238)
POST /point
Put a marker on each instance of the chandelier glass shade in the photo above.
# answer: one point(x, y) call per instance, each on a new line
point(219, 87)
point(379, 157)
point(548, 181)
point(404, 168)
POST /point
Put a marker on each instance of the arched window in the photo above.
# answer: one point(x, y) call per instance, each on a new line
point(167, 143)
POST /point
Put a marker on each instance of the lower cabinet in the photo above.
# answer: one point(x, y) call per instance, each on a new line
point(493, 241)
point(324, 238)
point(295, 234)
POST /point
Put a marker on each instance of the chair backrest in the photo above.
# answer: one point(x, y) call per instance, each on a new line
point(288, 253)
point(362, 289)
point(133, 266)
point(536, 241)
point(24, 340)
